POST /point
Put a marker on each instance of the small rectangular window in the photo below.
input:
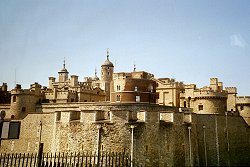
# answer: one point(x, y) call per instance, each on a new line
point(136, 88)
point(14, 98)
point(74, 115)
point(137, 98)
point(200, 107)
point(58, 116)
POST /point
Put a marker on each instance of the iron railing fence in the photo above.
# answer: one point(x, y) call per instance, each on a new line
point(77, 159)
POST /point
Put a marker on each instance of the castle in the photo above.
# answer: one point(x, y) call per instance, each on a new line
point(161, 122)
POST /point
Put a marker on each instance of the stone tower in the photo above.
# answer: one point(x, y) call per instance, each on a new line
point(23, 101)
point(231, 99)
point(63, 74)
point(107, 70)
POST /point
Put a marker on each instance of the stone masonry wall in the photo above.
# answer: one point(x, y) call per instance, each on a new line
point(226, 140)
point(75, 127)
point(29, 135)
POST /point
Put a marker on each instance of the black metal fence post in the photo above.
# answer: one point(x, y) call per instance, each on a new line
point(40, 155)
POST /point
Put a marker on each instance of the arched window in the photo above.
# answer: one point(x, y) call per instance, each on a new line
point(118, 97)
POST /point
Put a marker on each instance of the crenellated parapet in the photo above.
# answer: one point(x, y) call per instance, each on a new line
point(207, 94)
point(243, 100)
point(24, 101)
point(231, 90)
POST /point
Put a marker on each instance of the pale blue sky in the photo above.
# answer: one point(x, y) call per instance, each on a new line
point(188, 40)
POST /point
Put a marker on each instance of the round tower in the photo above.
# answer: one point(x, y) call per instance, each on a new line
point(107, 70)
point(209, 102)
point(17, 107)
point(24, 101)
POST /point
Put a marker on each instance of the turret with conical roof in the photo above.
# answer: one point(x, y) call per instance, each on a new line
point(107, 70)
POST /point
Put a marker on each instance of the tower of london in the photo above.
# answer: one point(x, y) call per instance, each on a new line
point(161, 121)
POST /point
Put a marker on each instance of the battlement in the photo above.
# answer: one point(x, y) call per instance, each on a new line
point(52, 78)
point(135, 75)
point(121, 75)
point(243, 100)
point(213, 81)
point(190, 86)
point(231, 89)
point(210, 94)
point(171, 82)
point(142, 75)
point(21, 92)
point(4, 87)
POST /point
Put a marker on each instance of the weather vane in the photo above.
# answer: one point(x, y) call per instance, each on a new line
point(107, 53)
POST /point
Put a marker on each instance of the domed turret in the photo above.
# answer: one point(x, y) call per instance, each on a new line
point(107, 69)
point(63, 73)
point(107, 62)
point(107, 76)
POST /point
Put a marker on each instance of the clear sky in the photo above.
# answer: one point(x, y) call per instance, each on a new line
point(190, 40)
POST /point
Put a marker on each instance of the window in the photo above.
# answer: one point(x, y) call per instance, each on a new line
point(23, 108)
point(146, 148)
point(99, 115)
point(74, 115)
point(151, 88)
point(14, 130)
point(185, 104)
point(108, 73)
point(137, 98)
point(118, 87)
point(118, 97)
point(14, 99)
point(58, 116)
point(168, 148)
point(241, 107)
point(200, 107)
point(136, 88)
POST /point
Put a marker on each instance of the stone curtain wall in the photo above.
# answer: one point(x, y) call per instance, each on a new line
point(218, 150)
point(29, 135)
point(157, 142)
